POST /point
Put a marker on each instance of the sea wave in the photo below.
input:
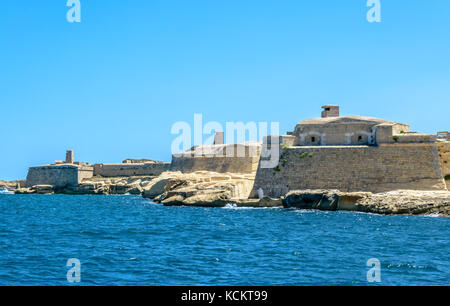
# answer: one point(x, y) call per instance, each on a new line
point(235, 207)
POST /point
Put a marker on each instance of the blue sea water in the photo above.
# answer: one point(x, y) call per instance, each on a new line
point(127, 240)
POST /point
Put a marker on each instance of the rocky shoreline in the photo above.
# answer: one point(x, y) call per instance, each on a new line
point(211, 189)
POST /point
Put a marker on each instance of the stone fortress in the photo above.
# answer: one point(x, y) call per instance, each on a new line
point(354, 153)
point(347, 154)
point(72, 173)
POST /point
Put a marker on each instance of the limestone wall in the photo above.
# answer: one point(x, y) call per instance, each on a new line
point(354, 168)
point(215, 164)
point(444, 155)
point(57, 175)
point(235, 158)
point(115, 170)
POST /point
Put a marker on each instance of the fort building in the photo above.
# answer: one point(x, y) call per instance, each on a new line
point(444, 135)
point(131, 167)
point(220, 158)
point(71, 173)
point(347, 153)
point(351, 153)
point(60, 174)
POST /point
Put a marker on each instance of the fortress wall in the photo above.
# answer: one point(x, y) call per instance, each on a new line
point(115, 170)
point(57, 175)
point(220, 164)
point(444, 155)
point(223, 158)
point(354, 168)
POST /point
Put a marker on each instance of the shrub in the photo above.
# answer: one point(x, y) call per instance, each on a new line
point(303, 155)
point(395, 138)
point(447, 177)
point(277, 169)
point(311, 154)
point(285, 147)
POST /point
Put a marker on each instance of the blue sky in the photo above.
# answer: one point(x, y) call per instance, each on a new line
point(112, 86)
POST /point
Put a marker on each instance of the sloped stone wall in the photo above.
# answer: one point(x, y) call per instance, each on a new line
point(57, 175)
point(354, 168)
point(116, 170)
point(444, 156)
point(232, 158)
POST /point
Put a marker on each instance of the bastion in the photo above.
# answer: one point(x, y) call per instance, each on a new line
point(351, 153)
point(220, 158)
point(58, 175)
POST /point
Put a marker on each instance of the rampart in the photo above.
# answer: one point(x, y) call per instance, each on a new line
point(58, 175)
point(444, 155)
point(131, 169)
point(354, 168)
point(234, 158)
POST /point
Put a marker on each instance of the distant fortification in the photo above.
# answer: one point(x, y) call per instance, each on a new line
point(130, 168)
point(352, 153)
point(348, 153)
point(221, 158)
point(60, 174)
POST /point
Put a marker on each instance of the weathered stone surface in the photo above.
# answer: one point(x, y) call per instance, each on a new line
point(24, 191)
point(444, 157)
point(201, 188)
point(394, 202)
point(43, 189)
point(224, 158)
point(151, 168)
point(11, 185)
point(312, 199)
point(380, 168)
point(58, 175)
point(155, 189)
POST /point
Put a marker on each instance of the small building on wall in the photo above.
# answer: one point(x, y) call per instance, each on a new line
point(335, 130)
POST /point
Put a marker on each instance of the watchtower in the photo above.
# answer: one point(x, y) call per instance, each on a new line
point(330, 111)
point(69, 157)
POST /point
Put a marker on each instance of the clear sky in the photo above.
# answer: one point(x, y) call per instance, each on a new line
point(112, 86)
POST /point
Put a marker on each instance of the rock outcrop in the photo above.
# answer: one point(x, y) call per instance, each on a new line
point(212, 189)
point(200, 188)
point(388, 203)
point(11, 185)
point(95, 186)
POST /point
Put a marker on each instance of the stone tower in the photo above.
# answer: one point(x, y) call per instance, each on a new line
point(219, 138)
point(69, 157)
point(330, 111)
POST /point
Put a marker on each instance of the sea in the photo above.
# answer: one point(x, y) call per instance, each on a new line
point(128, 240)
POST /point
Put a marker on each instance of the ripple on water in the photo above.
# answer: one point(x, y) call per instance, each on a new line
point(127, 240)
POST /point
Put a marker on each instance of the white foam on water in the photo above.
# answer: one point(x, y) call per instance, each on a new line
point(5, 191)
point(434, 215)
point(235, 207)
